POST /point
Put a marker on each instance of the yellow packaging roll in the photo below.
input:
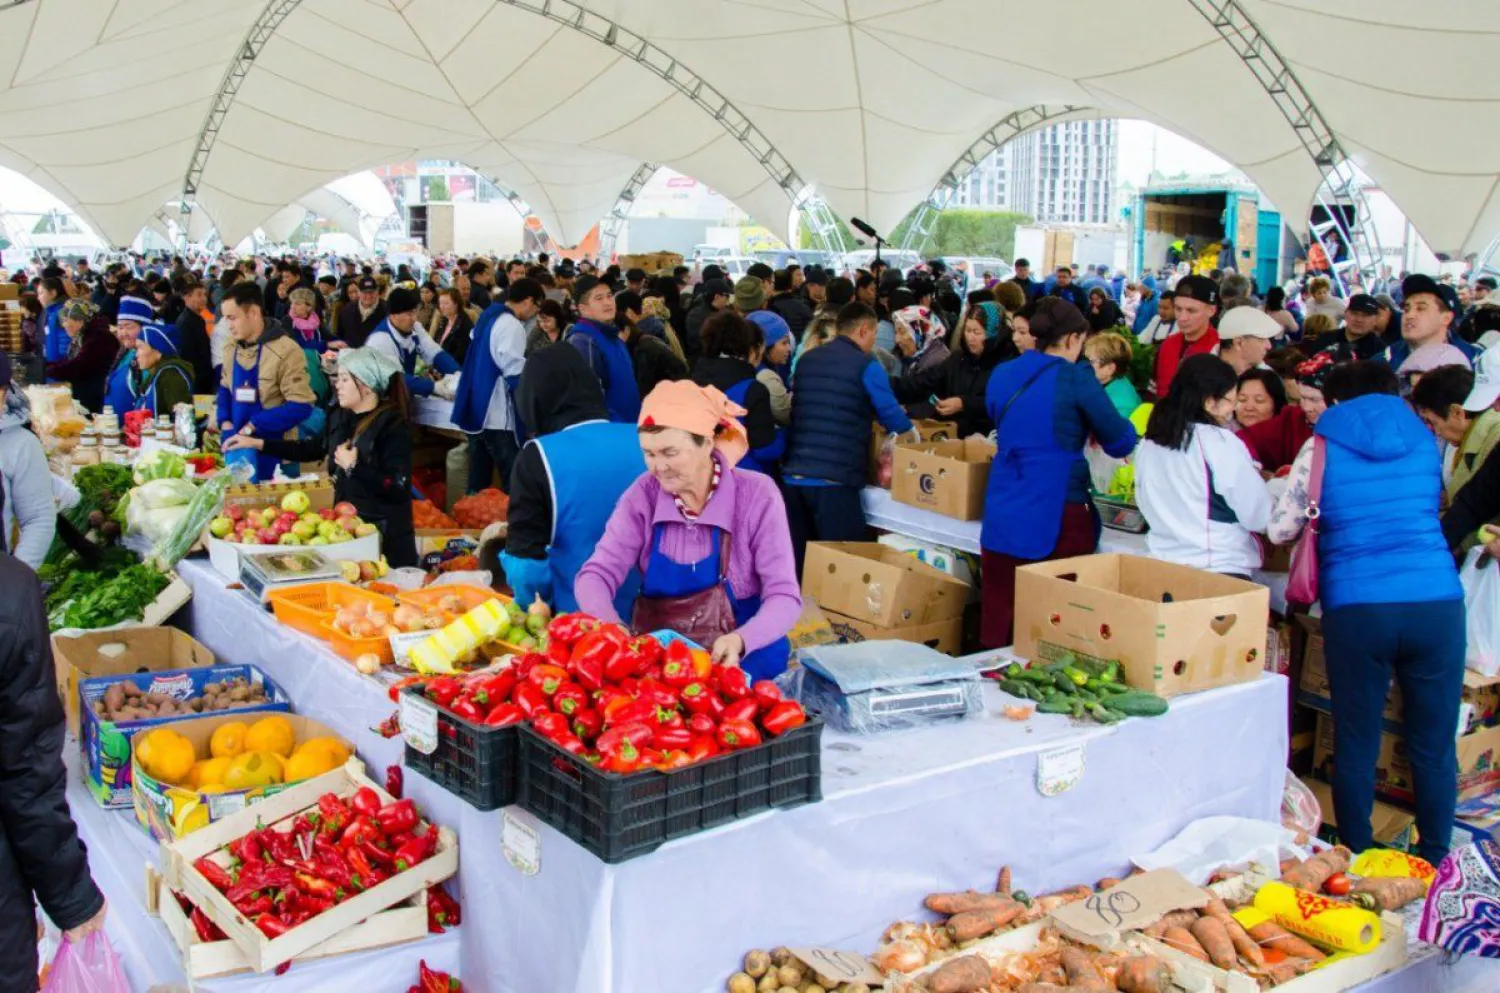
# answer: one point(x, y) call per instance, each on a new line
point(1379, 863)
point(428, 657)
point(1318, 919)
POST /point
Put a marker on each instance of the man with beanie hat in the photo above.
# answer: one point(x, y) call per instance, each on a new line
point(119, 386)
point(1427, 314)
point(400, 337)
point(484, 406)
point(1194, 305)
point(596, 337)
point(749, 295)
point(776, 363)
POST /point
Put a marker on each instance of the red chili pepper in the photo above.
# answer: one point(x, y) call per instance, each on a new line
point(703, 747)
point(549, 678)
point(503, 715)
point(442, 690)
point(550, 726)
point(253, 905)
point(206, 929)
point(396, 817)
point(247, 849)
point(335, 814)
point(218, 877)
point(587, 724)
point(570, 698)
point(530, 698)
point(569, 628)
point(702, 724)
point(417, 850)
point(362, 828)
point(742, 710)
point(364, 872)
point(738, 734)
point(733, 683)
point(376, 854)
point(668, 739)
point(317, 886)
point(446, 905)
point(364, 803)
point(783, 717)
point(767, 692)
point(272, 926)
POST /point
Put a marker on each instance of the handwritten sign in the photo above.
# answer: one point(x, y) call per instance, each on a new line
point(521, 842)
point(419, 723)
point(1136, 903)
point(846, 967)
point(1059, 769)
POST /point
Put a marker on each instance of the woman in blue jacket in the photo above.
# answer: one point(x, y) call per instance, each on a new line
point(1044, 405)
point(1391, 598)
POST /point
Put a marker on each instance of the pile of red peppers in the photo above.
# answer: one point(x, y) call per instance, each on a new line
point(279, 879)
point(622, 703)
point(433, 981)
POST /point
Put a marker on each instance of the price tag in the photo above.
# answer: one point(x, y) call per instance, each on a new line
point(419, 723)
point(221, 805)
point(401, 645)
point(521, 842)
point(1136, 903)
point(846, 967)
point(1059, 769)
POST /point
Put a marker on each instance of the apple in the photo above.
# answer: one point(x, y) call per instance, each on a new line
point(304, 530)
point(232, 538)
point(347, 523)
point(250, 538)
point(327, 514)
point(310, 517)
point(339, 536)
point(288, 516)
point(345, 509)
point(368, 571)
point(317, 540)
point(327, 528)
point(363, 530)
point(295, 502)
point(241, 526)
point(289, 539)
point(282, 527)
point(268, 517)
point(235, 513)
point(219, 527)
point(269, 536)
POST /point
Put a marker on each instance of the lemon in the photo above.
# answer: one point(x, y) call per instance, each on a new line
point(172, 758)
point(310, 762)
point(209, 772)
point(253, 769)
point(228, 740)
point(145, 745)
point(271, 734)
point(333, 746)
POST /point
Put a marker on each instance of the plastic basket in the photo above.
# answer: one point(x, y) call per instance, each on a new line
point(1120, 515)
point(475, 763)
point(471, 596)
point(620, 817)
point(307, 608)
point(349, 647)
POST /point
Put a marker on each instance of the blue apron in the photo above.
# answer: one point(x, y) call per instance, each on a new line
point(119, 387)
point(665, 578)
point(240, 411)
point(147, 400)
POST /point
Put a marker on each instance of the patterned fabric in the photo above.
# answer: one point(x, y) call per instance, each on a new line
point(713, 485)
point(1462, 912)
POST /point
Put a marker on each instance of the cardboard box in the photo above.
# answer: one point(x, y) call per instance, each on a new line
point(930, 430)
point(170, 812)
point(945, 477)
point(1175, 629)
point(812, 627)
point(225, 555)
point(1478, 762)
point(945, 636)
point(263, 954)
point(959, 564)
point(1393, 827)
point(173, 597)
point(438, 545)
point(106, 746)
point(870, 582)
point(117, 653)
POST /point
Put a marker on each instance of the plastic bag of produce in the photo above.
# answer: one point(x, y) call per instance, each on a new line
point(205, 504)
point(89, 966)
point(159, 464)
point(1481, 581)
point(154, 525)
point(159, 493)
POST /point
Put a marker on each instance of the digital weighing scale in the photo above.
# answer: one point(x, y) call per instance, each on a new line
point(881, 685)
point(276, 570)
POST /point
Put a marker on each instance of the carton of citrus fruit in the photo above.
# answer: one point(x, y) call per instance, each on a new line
point(189, 774)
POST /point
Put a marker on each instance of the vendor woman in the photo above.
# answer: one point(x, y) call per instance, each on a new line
point(166, 379)
point(711, 541)
point(367, 442)
point(120, 384)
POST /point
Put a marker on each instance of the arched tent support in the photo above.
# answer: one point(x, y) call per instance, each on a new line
point(609, 228)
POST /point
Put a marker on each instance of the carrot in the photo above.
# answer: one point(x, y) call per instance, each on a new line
point(1273, 935)
point(977, 923)
point(1107, 882)
point(1183, 940)
point(1243, 943)
point(1044, 905)
point(1393, 892)
point(1044, 988)
point(1311, 875)
point(965, 974)
point(1143, 974)
point(1002, 885)
point(958, 903)
point(1081, 971)
point(1214, 938)
point(1177, 918)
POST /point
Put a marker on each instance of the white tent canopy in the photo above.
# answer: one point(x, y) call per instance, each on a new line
point(868, 102)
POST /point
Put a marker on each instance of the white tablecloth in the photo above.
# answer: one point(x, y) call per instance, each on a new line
point(433, 412)
point(882, 512)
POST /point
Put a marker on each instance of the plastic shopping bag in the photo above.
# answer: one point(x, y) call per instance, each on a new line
point(1481, 581)
point(92, 967)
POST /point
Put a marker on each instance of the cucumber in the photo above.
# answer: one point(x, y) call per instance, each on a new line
point(1062, 682)
point(1078, 676)
point(1015, 688)
point(1112, 689)
point(1014, 670)
point(1055, 704)
point(1036, 676)
point(1138, 703)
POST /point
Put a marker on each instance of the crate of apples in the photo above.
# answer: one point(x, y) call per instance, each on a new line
point(292, 522)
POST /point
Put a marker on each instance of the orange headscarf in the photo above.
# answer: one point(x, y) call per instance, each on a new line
point(701, 410)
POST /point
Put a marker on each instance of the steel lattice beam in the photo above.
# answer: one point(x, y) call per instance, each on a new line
point(609, 228)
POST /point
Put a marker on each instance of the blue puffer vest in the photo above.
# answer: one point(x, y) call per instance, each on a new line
point(1380, 540)
point(831, 415)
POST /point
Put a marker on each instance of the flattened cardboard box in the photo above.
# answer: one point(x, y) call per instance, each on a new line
point(945, 477)
point(870, 582)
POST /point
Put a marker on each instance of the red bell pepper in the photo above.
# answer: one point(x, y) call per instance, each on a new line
point(597, 652)
point(396, 817)
point(733, 683)
point(527, 661)
point(467, 709)
point(738, 734)
point(248, 849)
point(669, 739)
point(702, 747)
point(638, 734)
point(218, 877)
point(394, 690)
point(628, 711)
point(550, 725)
point(415, 851)
point(588, 723)
point(621, 758)
point(669, 717)
point(570, 698)
point(559, 653)
point(676, 759)
point(767, 692)
point(742, 710)
point(783, 717)
point(503, 715)
point(588, 670)
point(376, 854)
point(443, 690)
point(362, 828)
point(571, 743)
point(570, 628)
point(365, 802)
point(495, 688)
point(699, 698)
point(530, 698)
point(446, 907)
point(659, 694)
point(702, 724)
point(548, 677)
point(677, 667)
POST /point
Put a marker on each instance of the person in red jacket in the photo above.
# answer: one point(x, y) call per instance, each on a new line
point(1195, 302)
point(1275, 443)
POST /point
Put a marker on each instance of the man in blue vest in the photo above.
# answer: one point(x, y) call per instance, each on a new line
point(402, 339)
point(566, 480)
point(598, 340)
point(838, 390)
point(484, 406)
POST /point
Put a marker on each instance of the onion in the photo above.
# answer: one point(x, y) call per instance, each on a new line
point(368, 663)
point(432, 622)
point(899, 956)
point(452, 603)
point(362, 629)
point(390, 629)
point(379, 618)
point(347, 616)
point(406, 616)
point(539, 608)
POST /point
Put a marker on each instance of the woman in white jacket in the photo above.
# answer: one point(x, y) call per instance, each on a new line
point(1195, 481)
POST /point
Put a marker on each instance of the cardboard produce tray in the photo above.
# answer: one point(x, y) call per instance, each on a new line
point(264, 954)
point(126, 651)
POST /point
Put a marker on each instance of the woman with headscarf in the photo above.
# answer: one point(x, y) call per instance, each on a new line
point(566, 480)
point(165, 378)
point(28, 520)
point(367, 442)
point(302, 316)
point(1274, 443)
point(91, 351)
point(710, 541)
point(919, 339)
point(959, 381)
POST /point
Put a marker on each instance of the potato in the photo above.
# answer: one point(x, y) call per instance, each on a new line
point(239, 694)
point(114, 697)
point(768, 983)
point(825, 982)
point(196, 703)
point(815, 988)
point(740, 983)
point(99, 707)
point(757, 963)
point(855, 988)
point(781, 955)
point(166, 709)
point(789, 974)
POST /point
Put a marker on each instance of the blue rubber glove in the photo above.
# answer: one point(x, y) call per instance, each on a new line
point(527, 578)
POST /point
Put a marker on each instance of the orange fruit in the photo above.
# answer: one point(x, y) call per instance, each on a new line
point(271, 734)
point(228, 740)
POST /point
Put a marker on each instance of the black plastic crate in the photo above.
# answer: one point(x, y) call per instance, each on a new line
point(619, 817)
point(473, 762)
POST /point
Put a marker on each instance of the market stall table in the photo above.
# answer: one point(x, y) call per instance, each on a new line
point(433, 412)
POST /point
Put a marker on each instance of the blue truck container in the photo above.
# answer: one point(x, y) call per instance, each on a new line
point(1200, 215)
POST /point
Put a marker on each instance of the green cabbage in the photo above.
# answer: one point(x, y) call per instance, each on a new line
point(159, 464)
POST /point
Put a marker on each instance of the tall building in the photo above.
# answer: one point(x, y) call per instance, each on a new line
point(1063, 174)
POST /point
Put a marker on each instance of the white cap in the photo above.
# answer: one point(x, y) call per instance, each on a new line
point(1486, 382)
point(1248, 322)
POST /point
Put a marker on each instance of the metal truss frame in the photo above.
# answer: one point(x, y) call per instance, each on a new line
point(614, 221)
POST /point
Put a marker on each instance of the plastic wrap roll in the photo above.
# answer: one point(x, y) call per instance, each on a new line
point(1326, 922)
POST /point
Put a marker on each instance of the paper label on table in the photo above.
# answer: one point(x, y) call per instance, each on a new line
point(521, 843)
point(1136, 903)
point(1059, 769)
point(419, 723)
point(401, 645)
point(846, 967)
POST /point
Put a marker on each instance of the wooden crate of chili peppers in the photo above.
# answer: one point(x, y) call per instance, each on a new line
point(206, 954)
point(317, 842)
